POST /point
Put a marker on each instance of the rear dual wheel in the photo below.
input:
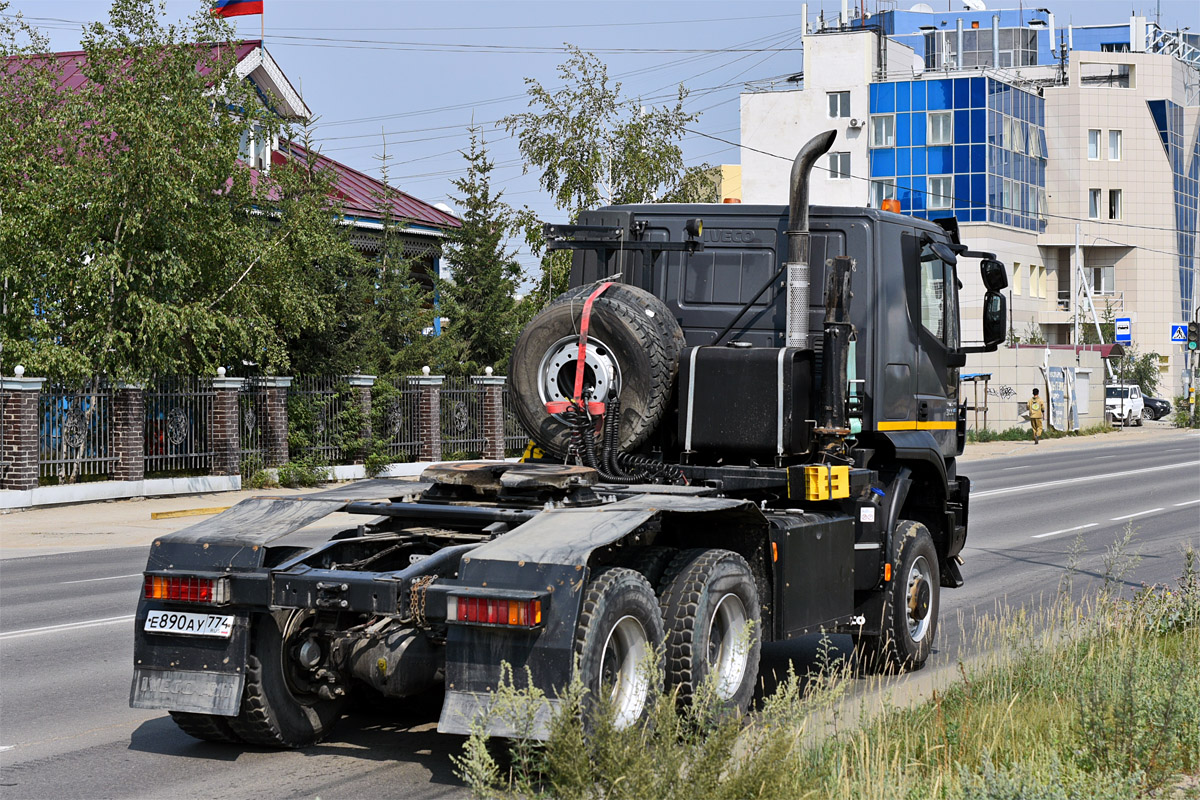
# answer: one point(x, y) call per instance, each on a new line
point(280, 705)
point(706, 613)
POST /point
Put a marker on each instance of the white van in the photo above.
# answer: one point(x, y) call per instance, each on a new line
point(1124, 402)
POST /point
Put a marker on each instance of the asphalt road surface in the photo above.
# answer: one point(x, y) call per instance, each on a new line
point(66, 638)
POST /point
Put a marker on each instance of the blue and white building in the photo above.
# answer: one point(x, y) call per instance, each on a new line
point(1073, 152)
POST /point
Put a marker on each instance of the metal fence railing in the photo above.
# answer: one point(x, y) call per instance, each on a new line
point(397, 420)
point(252, 415)
point(315, 418)
point(178, 419)
point(77, 432)
point(461, 419)
point(515, 437)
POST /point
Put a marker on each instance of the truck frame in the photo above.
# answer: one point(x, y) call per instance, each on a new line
point(720, 461)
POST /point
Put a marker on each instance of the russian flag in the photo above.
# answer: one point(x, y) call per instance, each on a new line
point(236, 8)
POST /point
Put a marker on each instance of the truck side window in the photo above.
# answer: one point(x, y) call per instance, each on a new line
point(939, 299)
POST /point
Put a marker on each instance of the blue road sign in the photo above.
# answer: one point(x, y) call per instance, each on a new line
point(1124, 330)
point(1179, 334)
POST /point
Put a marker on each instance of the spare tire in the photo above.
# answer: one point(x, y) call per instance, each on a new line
point(633, 348)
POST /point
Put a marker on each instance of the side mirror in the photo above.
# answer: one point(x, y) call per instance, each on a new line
point(994, 276)
point(944, 252)
point(956, 359)
point(995, 317)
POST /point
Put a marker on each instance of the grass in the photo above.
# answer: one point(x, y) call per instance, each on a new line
point(1086, 700)
point(1023, 433)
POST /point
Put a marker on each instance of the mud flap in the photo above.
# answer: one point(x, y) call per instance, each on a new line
point(204, 675)
point(187, 690)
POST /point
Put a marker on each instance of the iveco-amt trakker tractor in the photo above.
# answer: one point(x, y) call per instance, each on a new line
point(747, 418)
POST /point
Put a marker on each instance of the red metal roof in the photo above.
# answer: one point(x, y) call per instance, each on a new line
point(359, 193)
point(72, 62)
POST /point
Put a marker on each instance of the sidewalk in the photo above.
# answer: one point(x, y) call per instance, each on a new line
point(1149, 431)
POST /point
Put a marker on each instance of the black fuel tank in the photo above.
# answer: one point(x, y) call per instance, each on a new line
point(742, 403)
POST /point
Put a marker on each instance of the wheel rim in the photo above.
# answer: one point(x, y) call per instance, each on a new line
point(556, 370)
point(728, 650)
point(297, 678)
point(623, 670)
point(920, 598)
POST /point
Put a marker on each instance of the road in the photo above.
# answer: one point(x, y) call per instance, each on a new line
point(66, 637)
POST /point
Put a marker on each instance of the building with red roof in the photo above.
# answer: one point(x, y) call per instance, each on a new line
point(363, 199)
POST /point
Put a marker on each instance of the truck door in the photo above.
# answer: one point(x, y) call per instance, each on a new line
point(937, 381)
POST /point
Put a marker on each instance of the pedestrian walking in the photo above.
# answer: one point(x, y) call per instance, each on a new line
point(1035, 415)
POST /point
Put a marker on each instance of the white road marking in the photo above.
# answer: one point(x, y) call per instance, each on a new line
point(1029, 487)
point(68, 626)
point(1067, 530)
point(1006, 469)
point(1135, 514)
point(112, 578)
point(4, 747)
point(1188, 503)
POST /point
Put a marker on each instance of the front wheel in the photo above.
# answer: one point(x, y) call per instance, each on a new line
point(910, 607)
point(619, 628)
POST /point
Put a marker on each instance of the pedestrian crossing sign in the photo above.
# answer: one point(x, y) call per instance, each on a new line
point(1179, 334)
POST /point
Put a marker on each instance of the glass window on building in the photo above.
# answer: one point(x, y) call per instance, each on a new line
point(1016, 278)
point(1101, 279)
point(839, 166)
point(1006, 195)
point(1093, 204)
point(1114, 203)
point(1114, 145)
point(882, 190)
point(839, 104)
point(1093, 144)
point(941, 127)
point(941, 191)
point(883, 130)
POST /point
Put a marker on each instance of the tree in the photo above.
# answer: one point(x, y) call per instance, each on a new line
point(594, 147)
point(481, 299)
point(133, 241)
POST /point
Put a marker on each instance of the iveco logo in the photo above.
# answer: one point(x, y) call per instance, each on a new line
point(711, 235)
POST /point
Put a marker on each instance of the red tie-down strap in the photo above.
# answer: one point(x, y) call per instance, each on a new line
point(596, 407)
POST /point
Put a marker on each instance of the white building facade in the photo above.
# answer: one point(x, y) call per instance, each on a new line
point(1073, 154)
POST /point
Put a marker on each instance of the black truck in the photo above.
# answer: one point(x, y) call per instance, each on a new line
point(747, 418)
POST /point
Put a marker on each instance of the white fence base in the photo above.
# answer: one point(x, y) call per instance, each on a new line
point(117, 490)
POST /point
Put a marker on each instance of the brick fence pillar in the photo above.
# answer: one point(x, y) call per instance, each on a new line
point(493, 413)
point(224, 432)
point(274, 392)
point(19, 398)
point(129, 415)
point(429, 413)
point(361, 384)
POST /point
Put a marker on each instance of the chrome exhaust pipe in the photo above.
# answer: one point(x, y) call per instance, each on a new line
point(798, 273)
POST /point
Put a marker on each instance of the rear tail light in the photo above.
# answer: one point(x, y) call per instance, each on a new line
point(494, 611)
point(186, 589)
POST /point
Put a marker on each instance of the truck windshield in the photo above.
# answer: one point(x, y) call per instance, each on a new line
point(1116, 392)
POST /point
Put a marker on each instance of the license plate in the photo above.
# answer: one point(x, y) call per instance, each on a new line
point(219, 626)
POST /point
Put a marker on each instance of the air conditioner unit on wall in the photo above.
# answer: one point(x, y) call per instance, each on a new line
point(856, 123)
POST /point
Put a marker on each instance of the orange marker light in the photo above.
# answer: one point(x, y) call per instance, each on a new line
point(887, 572)
point(891, 205)
point(774, 551)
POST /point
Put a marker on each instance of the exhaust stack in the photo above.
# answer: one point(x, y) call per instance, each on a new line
point(798, 273)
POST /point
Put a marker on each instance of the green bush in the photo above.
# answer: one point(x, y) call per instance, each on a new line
point(1180, 414)
point(303, 472)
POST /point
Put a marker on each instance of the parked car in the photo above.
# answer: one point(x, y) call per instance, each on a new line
point(1156, 407)
point(1124, 402)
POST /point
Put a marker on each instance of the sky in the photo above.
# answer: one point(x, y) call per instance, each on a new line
point(421, 73)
